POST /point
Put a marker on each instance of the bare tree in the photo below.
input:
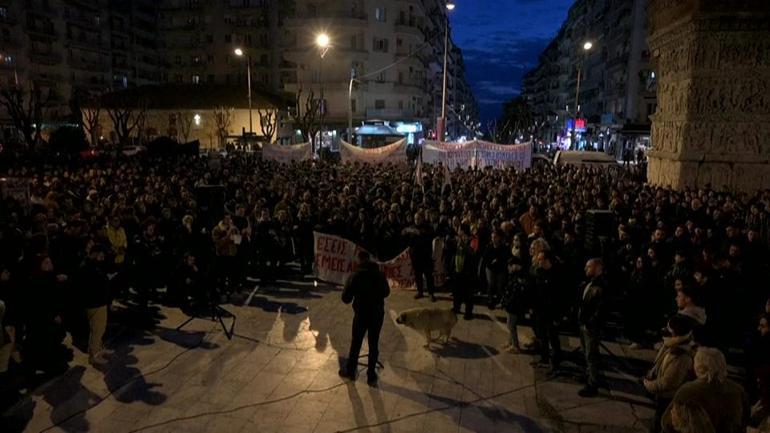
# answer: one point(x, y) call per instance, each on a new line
point(90, 119)
point(26, 110)
point(307, 115)
point(223, 119)
point(126, 117)
point(185, 125)
point(268, 120)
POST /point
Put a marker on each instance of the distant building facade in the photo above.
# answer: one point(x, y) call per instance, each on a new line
point(77, 48)
point(73, 47)
point(366, 37)
point(618, 85)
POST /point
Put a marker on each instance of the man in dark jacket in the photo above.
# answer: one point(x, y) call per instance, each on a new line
point(420, 240)
point(95, 286)
point(590, 319)
point(462, 271)
point(367, 289)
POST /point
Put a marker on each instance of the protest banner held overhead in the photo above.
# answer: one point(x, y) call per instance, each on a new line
point(392, 153)
point(478, 154)
point(286, 153)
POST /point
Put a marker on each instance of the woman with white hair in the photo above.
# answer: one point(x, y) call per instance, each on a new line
point(722, 399)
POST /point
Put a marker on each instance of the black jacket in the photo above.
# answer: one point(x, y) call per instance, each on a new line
point(367, 289)
point(590, 304)
point(495, 258)
point(94, 284)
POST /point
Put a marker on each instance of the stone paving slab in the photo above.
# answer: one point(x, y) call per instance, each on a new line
point(279, 374)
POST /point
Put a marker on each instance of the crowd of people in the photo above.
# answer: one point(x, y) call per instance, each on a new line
point(154, 230)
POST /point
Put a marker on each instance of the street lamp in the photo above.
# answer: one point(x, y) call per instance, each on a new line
point(239, 52)
point(323, 42)
point(587, 45)
point(442, 120)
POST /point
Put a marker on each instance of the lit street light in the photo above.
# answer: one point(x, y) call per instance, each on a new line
point(323, 42)
point(441, 124)
point(586, 48)
point(239, 52)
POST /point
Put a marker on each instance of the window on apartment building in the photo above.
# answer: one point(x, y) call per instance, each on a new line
point(353, 105)
point(381, 14)
point(3, 12)
point(402, 18)
point(380, 45)
point(263, 59)
point(400, 77)
point(210, 79)
point(196, 59)
point(178, 60)
point(228, 38)
point(209, 58)
point(381, 77)
point(400, 105)
point(210, 39)
point(399, 42)
point(353, 42)
point(196, 79)
point(178, 78)
point(379, 104)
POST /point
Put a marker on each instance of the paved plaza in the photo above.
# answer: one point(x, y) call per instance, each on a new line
point(279, 374)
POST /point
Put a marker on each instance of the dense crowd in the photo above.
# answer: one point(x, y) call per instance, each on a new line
point(141, 231)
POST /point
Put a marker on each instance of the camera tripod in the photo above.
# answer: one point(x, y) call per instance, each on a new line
point(214, 312)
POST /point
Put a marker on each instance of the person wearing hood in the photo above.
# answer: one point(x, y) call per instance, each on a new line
point(673, 366)
point(367, 289)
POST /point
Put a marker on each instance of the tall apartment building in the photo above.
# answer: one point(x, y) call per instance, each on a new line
point(617, 87)
point(200, 37)
point(367, 37)
point(75, 46)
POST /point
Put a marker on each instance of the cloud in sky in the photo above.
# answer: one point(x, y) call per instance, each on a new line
point(501, 40)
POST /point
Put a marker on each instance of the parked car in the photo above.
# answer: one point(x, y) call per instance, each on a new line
point(580, 157)
point(133, 150)
point(539, 159)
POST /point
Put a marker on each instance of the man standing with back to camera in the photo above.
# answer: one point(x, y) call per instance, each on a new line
point(367, 289)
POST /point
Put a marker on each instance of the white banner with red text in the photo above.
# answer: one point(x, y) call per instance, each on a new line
point(286, 153)
point(392, 153)
point(336, 259)
point(478, 154)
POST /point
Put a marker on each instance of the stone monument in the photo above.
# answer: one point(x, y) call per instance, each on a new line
point(712, 125)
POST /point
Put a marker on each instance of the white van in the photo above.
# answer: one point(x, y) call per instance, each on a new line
point(580, 157)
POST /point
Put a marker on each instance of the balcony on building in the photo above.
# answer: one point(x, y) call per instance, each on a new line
point(97, 65)
point(41, 31)
point(333, 19)
point(84, 4)
point(389, 113)
point(408, 26)
point(48, 58)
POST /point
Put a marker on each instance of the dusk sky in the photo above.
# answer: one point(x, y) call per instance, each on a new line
point(501, 40)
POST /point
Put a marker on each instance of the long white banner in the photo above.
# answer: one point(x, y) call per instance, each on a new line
point(286, 153)
point(392, 153)
point(478, 154)
point(336, 259)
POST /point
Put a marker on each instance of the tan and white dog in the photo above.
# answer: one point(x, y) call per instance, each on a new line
point(428, 320)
